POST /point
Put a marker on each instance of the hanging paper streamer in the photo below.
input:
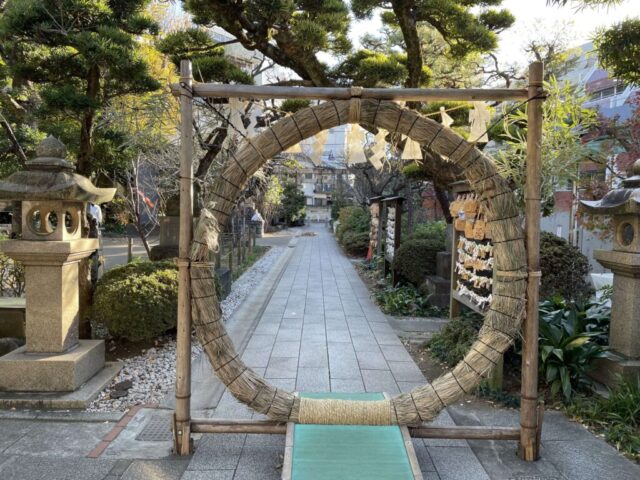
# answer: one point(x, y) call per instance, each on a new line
point(447, 121)
point(356, 145)
point(253, 119)
point(380, 141)
point(479, 118)
point(318, 147)
point(411, 150)
point(377, 160)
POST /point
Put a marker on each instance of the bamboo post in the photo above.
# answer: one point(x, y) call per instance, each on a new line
point(182, 415)
point(529, 424)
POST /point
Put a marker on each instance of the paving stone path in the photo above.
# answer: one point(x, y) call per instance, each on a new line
point(319, 332)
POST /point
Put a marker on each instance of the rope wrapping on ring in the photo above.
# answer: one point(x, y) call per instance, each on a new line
point(354, 105)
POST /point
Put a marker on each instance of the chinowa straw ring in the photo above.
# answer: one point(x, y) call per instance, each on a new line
point(502, 320)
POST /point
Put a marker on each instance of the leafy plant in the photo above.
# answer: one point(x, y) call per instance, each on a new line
point(568, 345)
point(452, 343)
point(617, 416)
point(405, 300)
point(565, 119)
point(434, 230)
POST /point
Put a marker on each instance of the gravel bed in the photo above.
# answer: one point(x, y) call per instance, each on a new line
point(151, 376)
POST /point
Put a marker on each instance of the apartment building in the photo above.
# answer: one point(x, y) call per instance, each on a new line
point(612, 98)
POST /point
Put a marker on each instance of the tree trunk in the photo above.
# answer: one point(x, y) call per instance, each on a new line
point(410, 209)
point(86, 128)
point(409, 28)
point(443, 200)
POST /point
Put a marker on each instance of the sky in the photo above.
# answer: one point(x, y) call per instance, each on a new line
point(536, 18)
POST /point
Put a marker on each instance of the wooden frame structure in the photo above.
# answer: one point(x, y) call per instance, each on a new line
point(528, 433)
point(456, 300)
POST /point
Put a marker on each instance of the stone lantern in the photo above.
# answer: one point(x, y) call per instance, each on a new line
point(624, 261)
point(54, 201)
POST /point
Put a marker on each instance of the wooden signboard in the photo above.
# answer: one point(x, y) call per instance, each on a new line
point(472, 259)
point(393, 227)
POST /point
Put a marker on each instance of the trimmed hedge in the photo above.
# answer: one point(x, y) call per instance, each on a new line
point(137, 301)
point(416, 258)
point(430, 230)
point(564, 269)
point(353, 230)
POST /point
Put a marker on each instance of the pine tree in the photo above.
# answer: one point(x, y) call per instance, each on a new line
point(80, 54)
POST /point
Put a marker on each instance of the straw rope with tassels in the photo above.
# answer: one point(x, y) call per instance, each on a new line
point(502, 321)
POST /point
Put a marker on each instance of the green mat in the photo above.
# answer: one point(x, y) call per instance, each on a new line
point(335, 452)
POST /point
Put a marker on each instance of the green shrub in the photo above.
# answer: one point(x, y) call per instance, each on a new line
point(405, 300)
point(415, 259)
point(568, 345)
point(353, 230)
point(137, 301)
point(435, 230)
point(356, 243)
point(452, 343)
point(564, 269)
point(617, 417)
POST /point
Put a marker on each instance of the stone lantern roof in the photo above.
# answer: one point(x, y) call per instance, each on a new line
point(620, 201)
point(50, 177)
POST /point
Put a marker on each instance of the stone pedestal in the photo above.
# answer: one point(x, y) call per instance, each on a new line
point(169, 230)
point(624, 334)
point(169, 238)
point(45, 372)
point(53, 360)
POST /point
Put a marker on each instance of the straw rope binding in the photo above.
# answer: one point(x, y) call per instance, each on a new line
point(502, 321)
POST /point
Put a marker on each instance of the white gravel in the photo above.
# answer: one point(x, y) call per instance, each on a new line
point(153, 373)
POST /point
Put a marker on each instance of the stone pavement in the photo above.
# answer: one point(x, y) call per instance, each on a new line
point(318, 331)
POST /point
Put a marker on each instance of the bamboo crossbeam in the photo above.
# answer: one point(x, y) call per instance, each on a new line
point(206, 425)
point(467, 433)
point(211, 90)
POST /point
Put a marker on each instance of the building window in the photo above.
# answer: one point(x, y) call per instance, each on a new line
point(617, 89)
point(308, 176)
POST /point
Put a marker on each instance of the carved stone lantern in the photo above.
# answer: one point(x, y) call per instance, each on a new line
point(623, 204)
point(54, 201)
